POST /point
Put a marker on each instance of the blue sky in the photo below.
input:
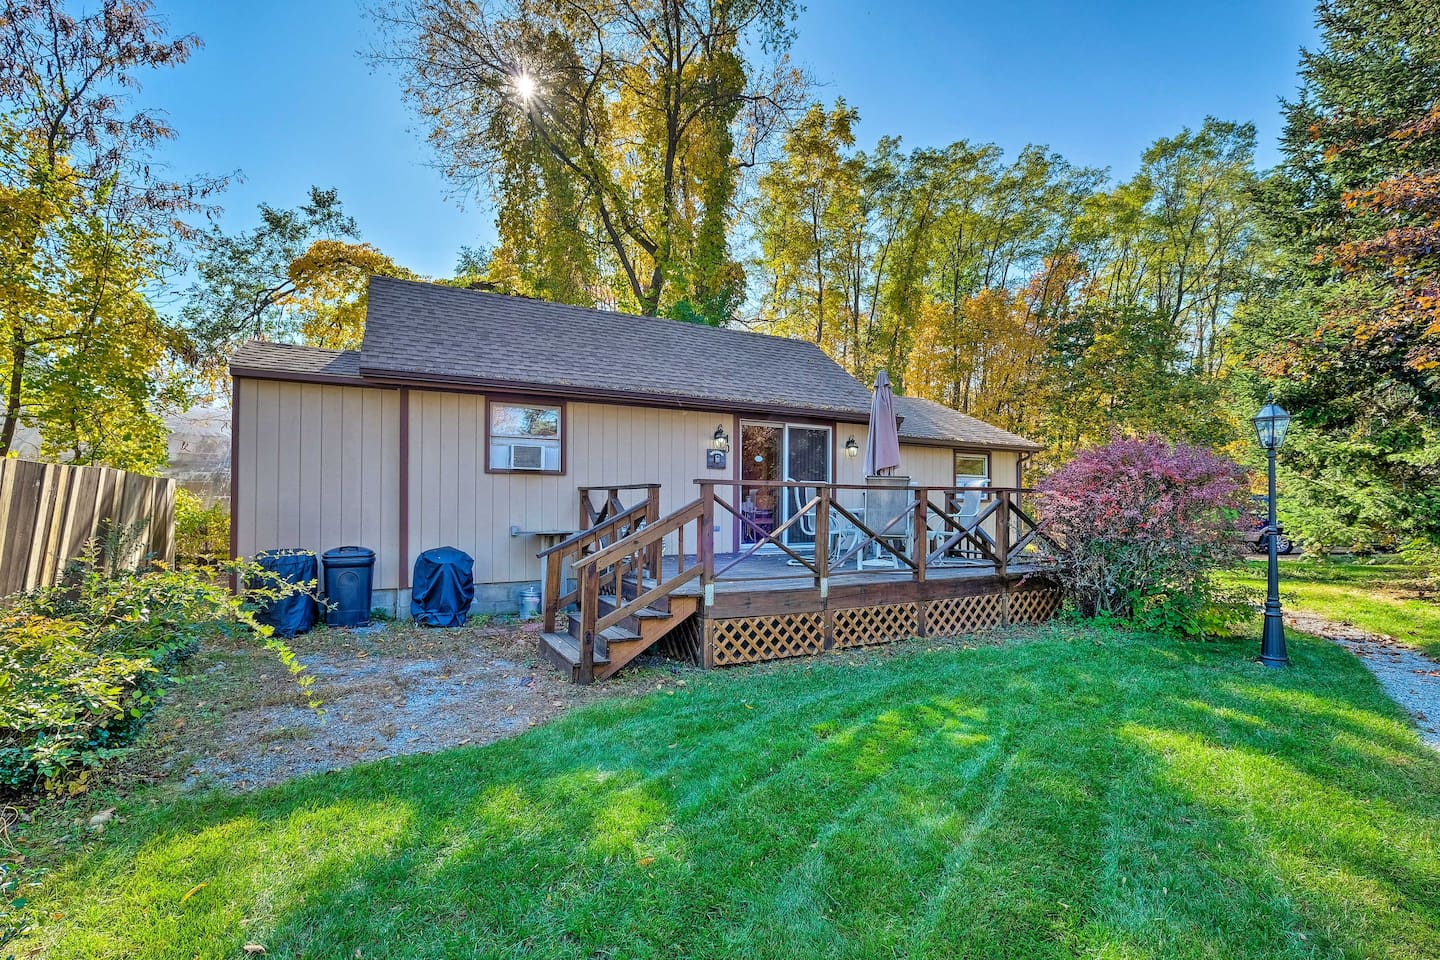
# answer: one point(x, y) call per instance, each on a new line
point(281, 93)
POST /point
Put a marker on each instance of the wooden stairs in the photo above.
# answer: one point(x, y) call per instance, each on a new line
point(624, 601)
point(618, 645)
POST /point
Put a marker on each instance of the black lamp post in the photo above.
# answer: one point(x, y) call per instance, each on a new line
point(1270, 426)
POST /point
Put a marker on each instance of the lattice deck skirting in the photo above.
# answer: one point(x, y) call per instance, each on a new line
point(858, 626)
point(956, 615)
point(1034, 606)
point(735, 640)
point(752, 639)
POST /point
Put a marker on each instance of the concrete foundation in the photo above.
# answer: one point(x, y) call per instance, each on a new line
point(494, 599)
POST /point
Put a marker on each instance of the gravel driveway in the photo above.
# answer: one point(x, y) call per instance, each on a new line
point(387, 690)
point(1411, 679)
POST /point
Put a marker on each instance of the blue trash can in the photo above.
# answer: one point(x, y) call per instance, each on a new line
point(349, 581)
point(295, 613)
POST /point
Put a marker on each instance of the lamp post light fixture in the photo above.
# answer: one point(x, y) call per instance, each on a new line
point(1271, 423)
point(852, 449)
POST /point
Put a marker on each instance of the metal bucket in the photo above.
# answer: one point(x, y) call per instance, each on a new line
point(529, 603)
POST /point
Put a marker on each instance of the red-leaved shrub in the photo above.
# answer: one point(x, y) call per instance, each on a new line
point(1142, 525)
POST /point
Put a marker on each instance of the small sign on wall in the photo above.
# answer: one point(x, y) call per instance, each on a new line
point(715, 459)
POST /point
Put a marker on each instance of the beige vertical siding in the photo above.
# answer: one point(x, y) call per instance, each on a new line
point(1002, 468)
point(925, 465)
point(928, 466)
point(454, 502)
point(317, 468)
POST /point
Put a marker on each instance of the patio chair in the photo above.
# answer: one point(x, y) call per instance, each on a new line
point(843, 534)
point(967, 508)
point(797, 497)
point(883, 506)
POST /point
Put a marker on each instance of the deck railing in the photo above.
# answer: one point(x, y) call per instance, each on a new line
point(819, 528)
point(910, 527)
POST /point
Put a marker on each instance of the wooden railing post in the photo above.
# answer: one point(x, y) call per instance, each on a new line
point(919, 538)
point(822, 540)
point(589, 612)
point(655, 556)
point(552, 589)
point(705, 541)
point(1002, 531)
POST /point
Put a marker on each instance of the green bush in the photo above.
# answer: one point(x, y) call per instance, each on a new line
point(83, 663)
point(66, 704)
point(202, 534)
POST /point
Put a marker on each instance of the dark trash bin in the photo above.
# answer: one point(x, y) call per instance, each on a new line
point(349, 579)
point(443, 587)
point(295, 613)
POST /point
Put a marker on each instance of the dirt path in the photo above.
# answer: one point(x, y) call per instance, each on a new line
point(387, 690)
point(1411, 679)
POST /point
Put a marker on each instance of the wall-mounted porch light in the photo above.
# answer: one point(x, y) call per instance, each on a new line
point(719, 446)
point(852, 449)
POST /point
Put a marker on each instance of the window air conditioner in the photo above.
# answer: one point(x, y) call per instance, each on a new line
point(527, 456)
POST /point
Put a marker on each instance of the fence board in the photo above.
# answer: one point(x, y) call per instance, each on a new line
point(49, 512)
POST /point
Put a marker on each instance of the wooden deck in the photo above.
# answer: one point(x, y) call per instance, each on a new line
point(772, 610)
point(633, 589)
point(764, 570)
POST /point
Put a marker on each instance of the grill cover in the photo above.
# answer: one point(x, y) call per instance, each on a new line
point(443, 587)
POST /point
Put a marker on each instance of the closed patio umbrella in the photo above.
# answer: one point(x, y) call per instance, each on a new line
point(882, 446)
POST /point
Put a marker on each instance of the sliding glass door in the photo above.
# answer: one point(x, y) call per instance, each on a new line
point(781, 451)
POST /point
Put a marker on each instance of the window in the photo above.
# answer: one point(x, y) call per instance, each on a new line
point(970, 466)
point(526, 437)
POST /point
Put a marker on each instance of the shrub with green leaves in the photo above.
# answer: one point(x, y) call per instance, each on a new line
point(83, 663)
point(65, 703)
point(202, 534)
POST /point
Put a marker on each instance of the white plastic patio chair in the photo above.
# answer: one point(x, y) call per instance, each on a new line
point(967, 508)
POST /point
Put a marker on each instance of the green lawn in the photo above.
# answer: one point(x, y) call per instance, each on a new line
point(1378, 597)
point(1081, 793)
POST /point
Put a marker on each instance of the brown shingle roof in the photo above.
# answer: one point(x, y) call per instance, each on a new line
point(428, 331)
point(928, 421)
point(423, 331)
point(284, 359)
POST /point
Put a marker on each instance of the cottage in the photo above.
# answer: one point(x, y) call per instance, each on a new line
point(509, 427)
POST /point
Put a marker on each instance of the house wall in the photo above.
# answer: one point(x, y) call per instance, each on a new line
point(318, 466)
point(926, 465)
point(454, 502)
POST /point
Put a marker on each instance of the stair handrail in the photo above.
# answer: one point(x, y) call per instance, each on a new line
point(645, 536)
point(554, 557)
point(631, 553)
point(597, 532)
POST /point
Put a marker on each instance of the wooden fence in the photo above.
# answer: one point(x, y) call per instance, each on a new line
point(49, 511)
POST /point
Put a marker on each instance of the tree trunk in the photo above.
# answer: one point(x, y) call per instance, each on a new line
point(18, 352)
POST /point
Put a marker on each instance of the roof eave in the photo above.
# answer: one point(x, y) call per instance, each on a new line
point(1011, 446)
point(372, 377)
point(296, 376)
point(391, 380)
